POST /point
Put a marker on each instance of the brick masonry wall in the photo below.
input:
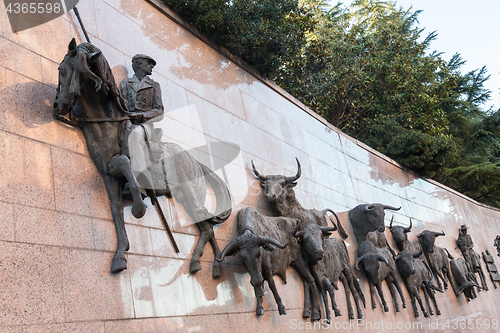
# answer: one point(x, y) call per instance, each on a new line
point(56, 233)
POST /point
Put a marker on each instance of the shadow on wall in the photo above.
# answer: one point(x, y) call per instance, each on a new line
point(30, 103)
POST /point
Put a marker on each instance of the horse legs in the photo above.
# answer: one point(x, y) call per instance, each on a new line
point(206, 232)
point(372, 294)
point(217, 270)
point(120, 166)
point(113, 186)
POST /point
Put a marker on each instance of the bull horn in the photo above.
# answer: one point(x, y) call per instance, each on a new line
point(257, 174)
point(325, 230)
point(437, 234)
point(229, 249)
point(370, 207)
point(382, 258)
point(299, 234)
point(398, 257)
point(359, 261)
point(289, 180)
point(406, 230)
point(391, 208)
point(390, 225)
point(269, 240)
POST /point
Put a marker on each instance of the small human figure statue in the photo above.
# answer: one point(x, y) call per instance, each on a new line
point(141, 141)
point(497, 244)
point(465, 244)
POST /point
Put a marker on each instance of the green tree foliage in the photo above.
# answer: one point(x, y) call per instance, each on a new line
point(264, 33)
point(368, 73)
point(475, 168)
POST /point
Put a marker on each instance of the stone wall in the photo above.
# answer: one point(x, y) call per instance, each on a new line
point(56, 233)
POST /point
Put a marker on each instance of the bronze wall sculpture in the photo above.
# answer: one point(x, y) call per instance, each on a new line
point(279, 192)
point(400, 236)
point(473, 260)
point(416, 276)
point(88, 93)
point(492, 268)
point(257, 237)
point(378, 265)
point(463, 277)
point(335, 266)
point(436, 258)
point(374, 252)
point(255, 231)
point(367, 218)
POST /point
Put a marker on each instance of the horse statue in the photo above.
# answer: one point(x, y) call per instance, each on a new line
point(88, 95)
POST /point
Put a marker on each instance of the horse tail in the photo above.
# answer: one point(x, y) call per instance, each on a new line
point(222, 195)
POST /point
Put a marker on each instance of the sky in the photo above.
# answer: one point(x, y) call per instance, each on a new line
point(469, 27)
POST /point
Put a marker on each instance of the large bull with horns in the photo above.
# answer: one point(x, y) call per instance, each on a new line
point(279, 192)
point(257, 241)
point(367, 218)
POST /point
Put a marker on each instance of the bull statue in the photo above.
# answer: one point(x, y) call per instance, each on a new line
point(463, 277)
point(416, 275)
point(279, 192)
point(258, 237)
point(436, 258)
point(378, 265)
point(335, 266)
point(367, 218)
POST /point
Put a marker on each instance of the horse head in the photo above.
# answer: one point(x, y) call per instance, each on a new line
point(74, 70)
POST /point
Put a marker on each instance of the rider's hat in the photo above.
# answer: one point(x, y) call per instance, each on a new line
point(143, 56)
point(463, 227)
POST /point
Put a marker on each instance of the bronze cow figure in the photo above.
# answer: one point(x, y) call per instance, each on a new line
point(436, 258)
point(416, 275)
point(258, 233)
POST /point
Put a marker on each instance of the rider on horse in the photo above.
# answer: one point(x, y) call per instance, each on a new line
point(141, 140)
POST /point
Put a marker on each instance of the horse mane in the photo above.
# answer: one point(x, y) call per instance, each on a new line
point(99, 69)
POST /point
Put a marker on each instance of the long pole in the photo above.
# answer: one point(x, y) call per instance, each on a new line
point(81, 23)
point(159, 211)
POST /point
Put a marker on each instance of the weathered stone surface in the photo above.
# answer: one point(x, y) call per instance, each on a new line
point(56, 231)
